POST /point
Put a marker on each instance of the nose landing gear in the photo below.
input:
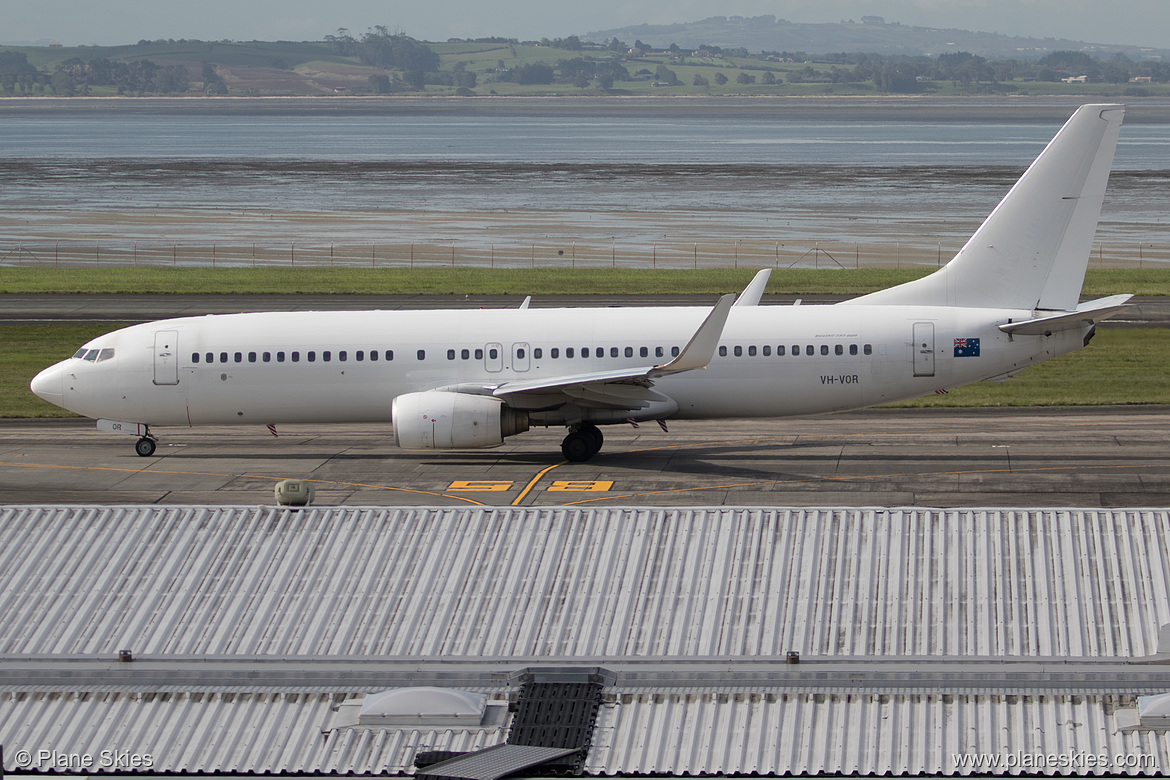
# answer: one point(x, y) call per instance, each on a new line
point(145, 446)
point(583, 442)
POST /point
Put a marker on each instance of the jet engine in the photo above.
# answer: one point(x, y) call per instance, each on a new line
point(437, 420)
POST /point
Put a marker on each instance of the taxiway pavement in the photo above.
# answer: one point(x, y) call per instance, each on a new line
point(1084, 457)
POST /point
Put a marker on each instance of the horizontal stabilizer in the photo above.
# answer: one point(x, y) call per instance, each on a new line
point(1088, 313)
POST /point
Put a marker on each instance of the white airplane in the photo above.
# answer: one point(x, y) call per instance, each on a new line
point(469, 378)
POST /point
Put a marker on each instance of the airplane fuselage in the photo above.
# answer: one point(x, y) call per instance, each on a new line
point(343, 367)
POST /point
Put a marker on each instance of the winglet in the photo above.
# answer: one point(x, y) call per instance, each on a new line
point(701, 348)
point(527, 301)
point(755, 290)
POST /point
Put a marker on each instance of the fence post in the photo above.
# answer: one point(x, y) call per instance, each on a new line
point(654, 255)
point(292, 254)
point(452, 254)
point(213, 254)
point(412, 254)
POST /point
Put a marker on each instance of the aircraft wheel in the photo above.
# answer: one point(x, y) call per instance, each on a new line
point(595, 434)
point(144, 447)
point(578, 447)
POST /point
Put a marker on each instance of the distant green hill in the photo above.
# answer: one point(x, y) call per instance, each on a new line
point(868, 34)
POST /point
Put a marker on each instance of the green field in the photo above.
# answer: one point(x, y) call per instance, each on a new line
point(456, 281)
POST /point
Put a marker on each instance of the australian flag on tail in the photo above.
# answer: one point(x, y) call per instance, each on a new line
point(966, 347)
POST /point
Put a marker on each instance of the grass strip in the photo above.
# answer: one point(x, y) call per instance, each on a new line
point(512, 281)
point(1121, 366)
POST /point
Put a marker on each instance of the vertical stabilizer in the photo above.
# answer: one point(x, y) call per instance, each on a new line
point(1032, 251)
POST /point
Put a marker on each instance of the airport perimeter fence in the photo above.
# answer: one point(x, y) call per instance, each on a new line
point(746, 254)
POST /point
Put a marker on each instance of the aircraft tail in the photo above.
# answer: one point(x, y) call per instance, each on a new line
point(1032, 251)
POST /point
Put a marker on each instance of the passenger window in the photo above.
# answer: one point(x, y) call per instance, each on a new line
point(838, 350)
point(613, 351)
point(326, 355)
point(780, 350)
point(868, 349)
point(479, 354)
point(643, 352)
point(194, 357)
point(360, 355)
point(722, 351)
point(738, 351)
point(223, 357)
point(810, 350)
point(312, 356)
point(554, 353)
point(493, 353)
point(520, 354)
point(239, 356)
point(630, 351)
point(465, 354)
point(658, 352)
point(796, 350)
point(568, 352)
point(584, 352)
point(389, 354)
point(536, 353)
point(251, 357)
point(852, 349)
point(450, 354)
point(767, 350)
point(279, 357)
point(296, 357)
point(266, 357)
point(674, 351)
point(824, 349)
point(422, 354)
point(373, 354)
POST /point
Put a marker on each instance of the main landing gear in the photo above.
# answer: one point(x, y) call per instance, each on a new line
point(583, 442)
point(145, 446)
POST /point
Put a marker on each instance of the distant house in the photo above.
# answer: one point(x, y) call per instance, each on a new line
point(873, 20)
point(1075, 80)
point(1141, 79)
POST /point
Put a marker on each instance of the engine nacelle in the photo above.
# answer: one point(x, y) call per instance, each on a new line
point(436, 420)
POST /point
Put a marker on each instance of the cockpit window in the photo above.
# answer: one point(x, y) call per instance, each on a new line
point(105, 354)
point(91, 355)
point(79, 353)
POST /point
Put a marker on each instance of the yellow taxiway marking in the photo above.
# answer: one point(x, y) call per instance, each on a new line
point(532, 483)
point(241, 476)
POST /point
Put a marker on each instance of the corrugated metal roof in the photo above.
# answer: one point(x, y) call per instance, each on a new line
point(568, 583)
point(672, 591)
point(219, 733)
point(900, 735)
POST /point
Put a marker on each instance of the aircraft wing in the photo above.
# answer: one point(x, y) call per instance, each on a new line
point(1087, 313)
point(694, 356)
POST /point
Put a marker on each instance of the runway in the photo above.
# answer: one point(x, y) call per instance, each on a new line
point(1083, 457)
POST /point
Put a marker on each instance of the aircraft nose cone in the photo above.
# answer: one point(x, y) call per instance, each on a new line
point(47, 385)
